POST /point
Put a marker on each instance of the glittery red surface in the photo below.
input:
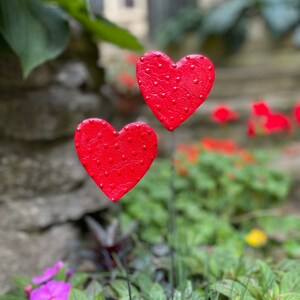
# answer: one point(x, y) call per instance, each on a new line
point(115, 160)
point(174, 91)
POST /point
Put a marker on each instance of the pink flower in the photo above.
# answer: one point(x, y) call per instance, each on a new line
point(52, 290)
point(48, 273)
point(260, 108)
point(27, 290)
point(223, 114)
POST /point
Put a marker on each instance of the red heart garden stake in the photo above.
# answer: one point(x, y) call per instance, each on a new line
point(174, 91)
point(115, 160)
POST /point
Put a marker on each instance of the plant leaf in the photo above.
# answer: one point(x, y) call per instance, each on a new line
point(94, 291)
point(291, 282)
point(280, 16)
point(221, 18)
point(77, 295)
point(78, 279)
point(107, 31)
point(232, 289)
point(36, 32)
point(99, 26)
point(21, 282)
point(296, 36)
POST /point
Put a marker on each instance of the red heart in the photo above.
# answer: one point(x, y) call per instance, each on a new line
point(115, 160)
point(174, 91)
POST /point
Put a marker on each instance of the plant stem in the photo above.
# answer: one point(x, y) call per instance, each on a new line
point(124, 269)
point(172, 216)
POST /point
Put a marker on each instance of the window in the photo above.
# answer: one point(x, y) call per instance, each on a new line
point(129, 3)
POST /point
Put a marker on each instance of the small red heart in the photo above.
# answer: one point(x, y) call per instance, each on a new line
point(115, 160)
point(174, 91)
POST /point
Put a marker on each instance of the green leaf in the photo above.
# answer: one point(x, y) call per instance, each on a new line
point(232, 289)
point(94, 291)
point(280, 16)
point(121, 288)
point(21, 282)
point(61, 274)
point(11, 297)
point(290, 282)
point(289, 296)
point(296, 36)
point(77, 295)
point(157, 292)
point(36, 32)
point(222, 18)
point(78, 279)
point(100, 27)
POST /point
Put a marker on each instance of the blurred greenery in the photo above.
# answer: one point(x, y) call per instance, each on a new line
point(227, 22)
point(37, 31)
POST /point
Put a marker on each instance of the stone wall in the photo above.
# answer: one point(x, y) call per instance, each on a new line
point(43, 186)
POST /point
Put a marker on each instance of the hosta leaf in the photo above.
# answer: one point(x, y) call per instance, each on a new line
point(35, 31)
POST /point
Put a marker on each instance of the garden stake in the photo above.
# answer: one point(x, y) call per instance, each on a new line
point(172, 215)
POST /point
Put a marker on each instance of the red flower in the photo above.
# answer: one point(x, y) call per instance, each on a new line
point(222, 146)
point(297, 113)
point(277, 123)
point(223, 114)
point(131, 58)
point(251, 128)
point(127, 80)
point(260, 108)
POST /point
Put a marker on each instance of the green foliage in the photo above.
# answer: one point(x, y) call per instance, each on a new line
point(212, 189)
point(98, 26)
point(77, 295)
point(228, 21)
point(37, 32)
point(222, 192)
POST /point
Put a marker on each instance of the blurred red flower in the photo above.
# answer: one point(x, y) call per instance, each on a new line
point(297, 113)
point(190, 152)
point(224, 146)
point(260, 108)
point(251, 128)
point(223, 114)
point(277, 123)
point(131, 58)
point(127, 80)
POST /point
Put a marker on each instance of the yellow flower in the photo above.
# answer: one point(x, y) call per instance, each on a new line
point(256, 238)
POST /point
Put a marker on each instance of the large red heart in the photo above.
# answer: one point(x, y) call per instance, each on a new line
point(115, 160)
point(174, 91)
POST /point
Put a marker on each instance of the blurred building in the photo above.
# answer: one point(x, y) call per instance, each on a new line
point(131, 14)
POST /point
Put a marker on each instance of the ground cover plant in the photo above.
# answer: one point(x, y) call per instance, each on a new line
point(199, 226)
point(229, 245)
